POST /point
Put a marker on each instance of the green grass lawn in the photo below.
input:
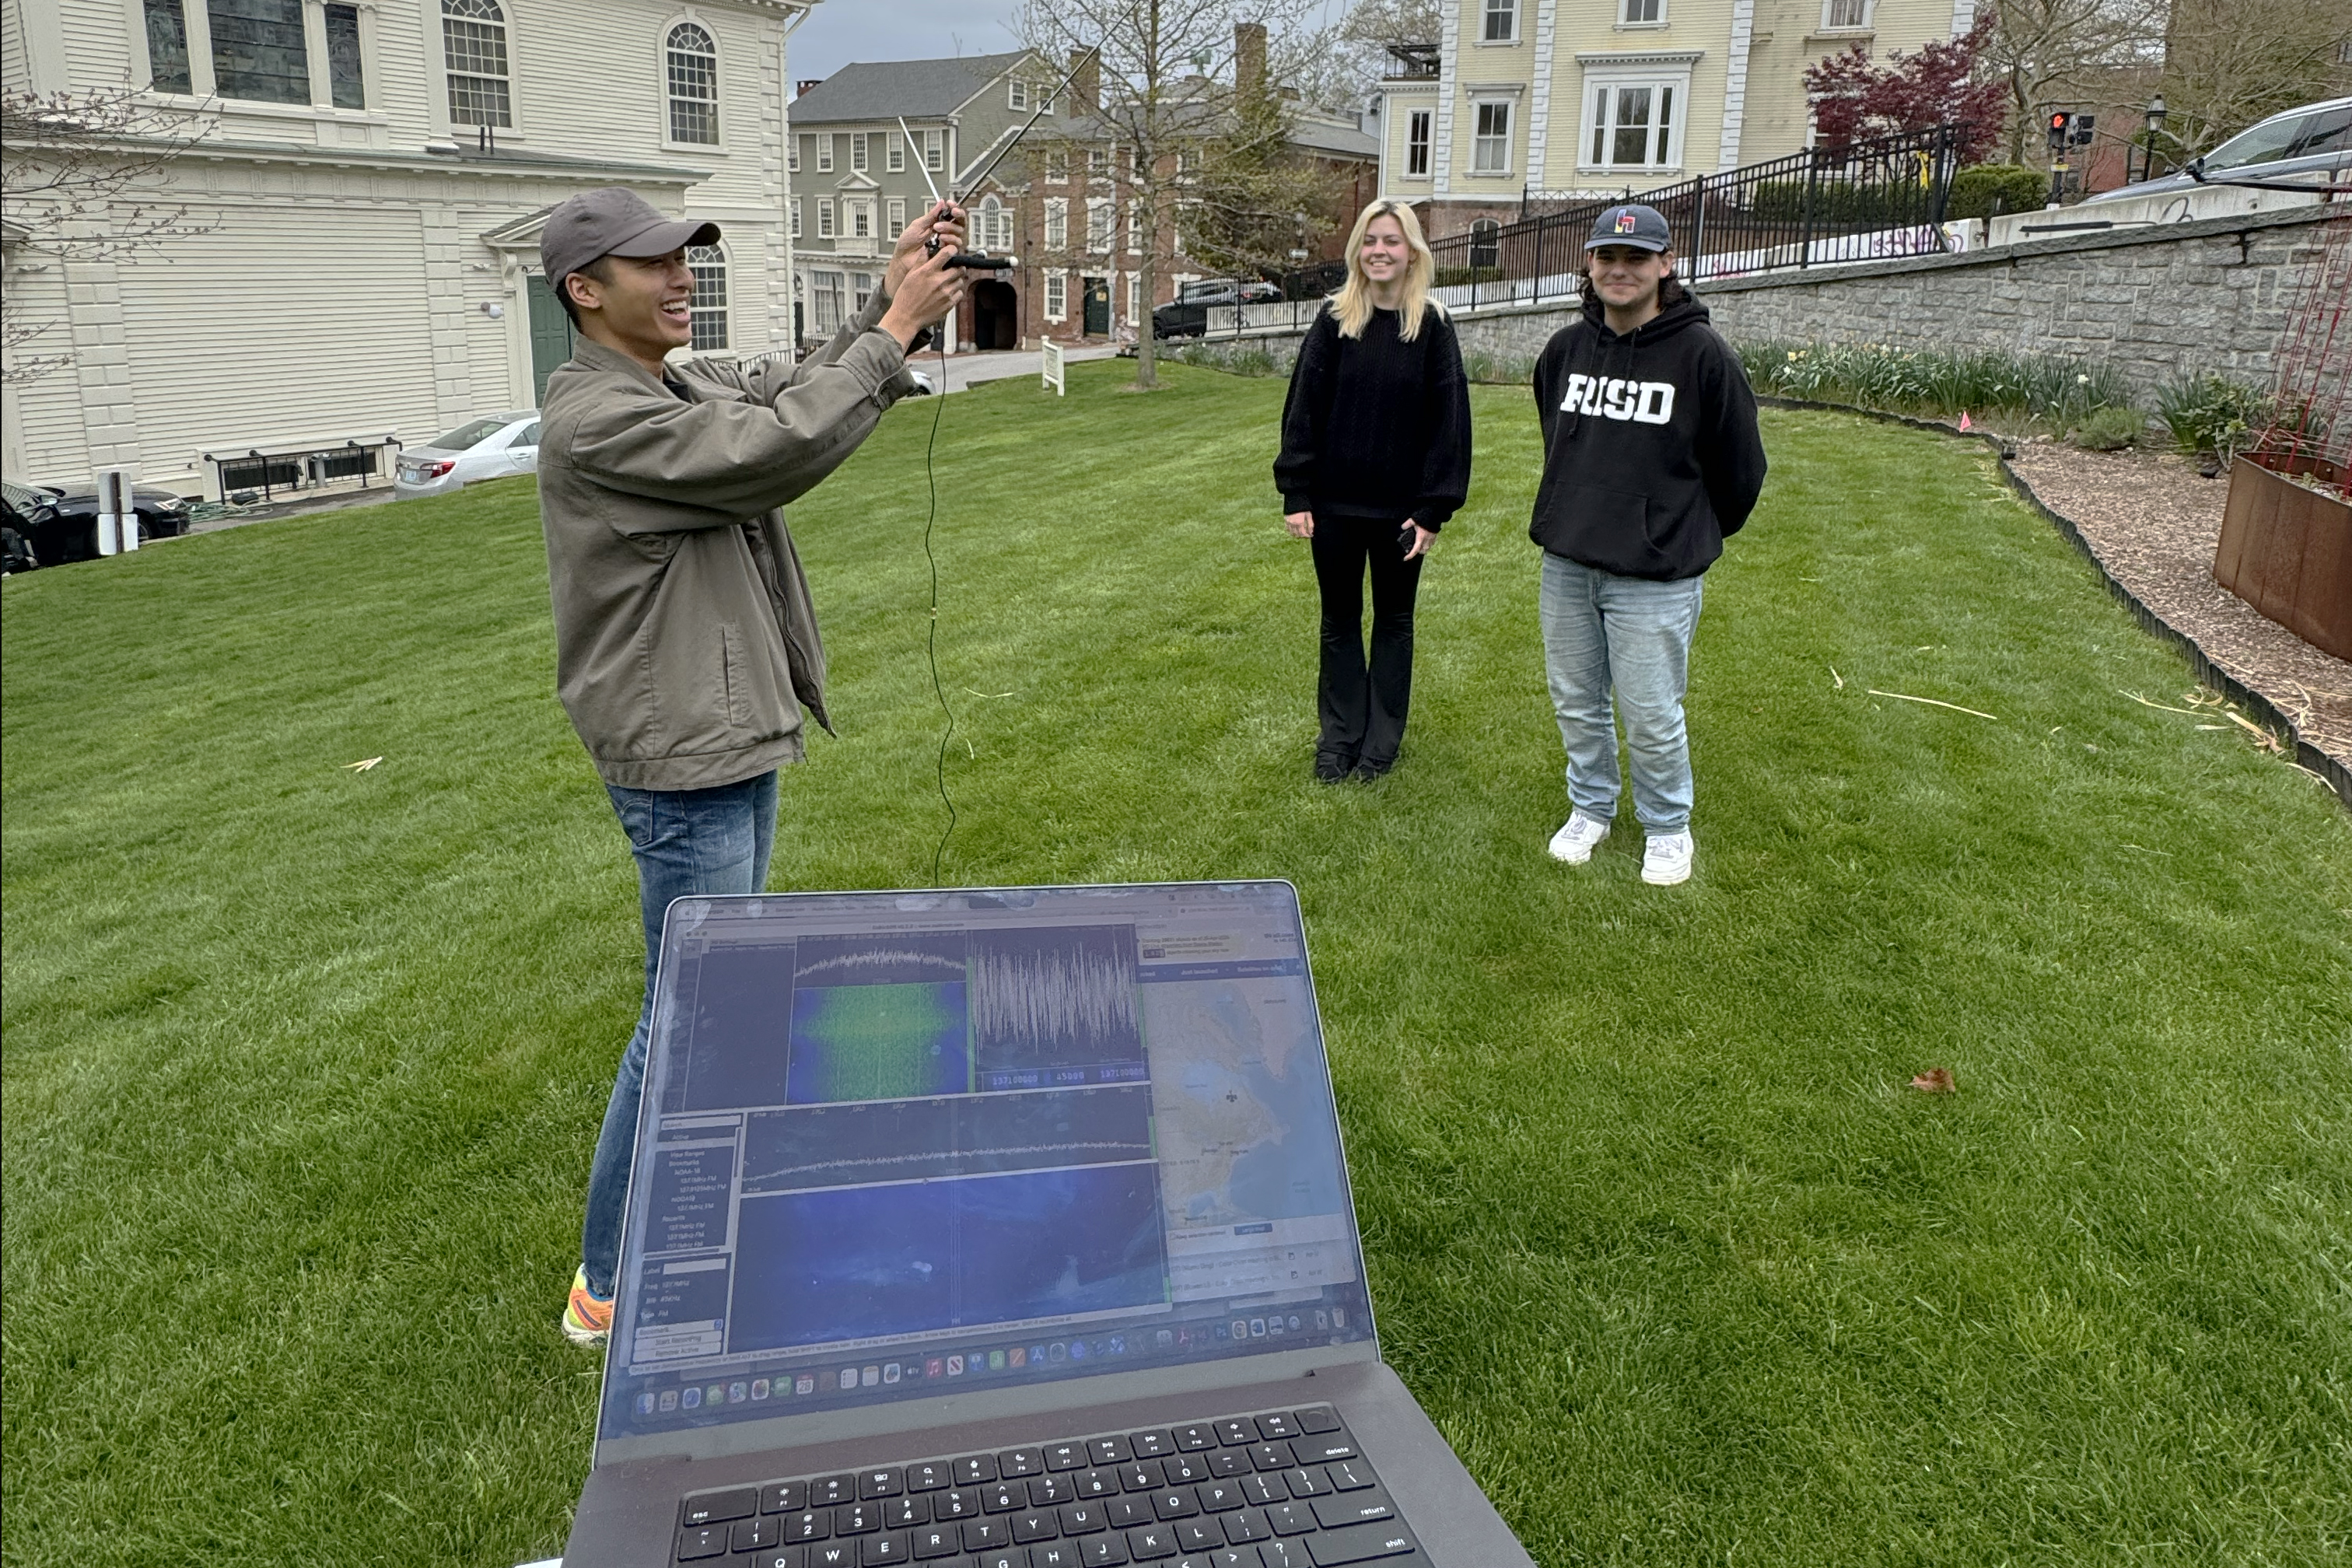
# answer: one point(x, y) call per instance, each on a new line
point(303, 1066)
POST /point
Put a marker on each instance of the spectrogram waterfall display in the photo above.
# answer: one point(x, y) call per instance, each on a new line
point(916, 1014)
point(877, 1042)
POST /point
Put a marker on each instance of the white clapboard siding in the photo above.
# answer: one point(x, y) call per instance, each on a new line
point(300, 321)
point(573, 95)
point(611, 99)
point(407, 55)
point(46, 414)
point(14, 75)
point(97, 40)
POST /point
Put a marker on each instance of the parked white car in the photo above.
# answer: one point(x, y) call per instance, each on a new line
point(489, 448)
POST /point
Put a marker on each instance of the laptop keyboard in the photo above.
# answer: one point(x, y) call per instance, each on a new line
point(1268, 1490)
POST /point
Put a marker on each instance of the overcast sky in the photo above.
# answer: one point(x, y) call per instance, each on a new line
point(840, 31)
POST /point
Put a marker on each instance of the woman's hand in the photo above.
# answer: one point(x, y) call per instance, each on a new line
point(1301, 523)
point(1422, 539)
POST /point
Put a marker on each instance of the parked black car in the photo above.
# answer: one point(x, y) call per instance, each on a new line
point(61, 524)
point(17, 526)
point(1187, 315)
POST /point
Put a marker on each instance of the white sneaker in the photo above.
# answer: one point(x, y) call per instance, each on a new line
point(1577, 838)
point(1666, 858)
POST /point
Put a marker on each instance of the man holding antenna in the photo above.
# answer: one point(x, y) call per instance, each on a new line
point(686, 645)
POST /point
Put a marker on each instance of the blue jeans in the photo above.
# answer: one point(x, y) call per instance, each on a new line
point(1629, 636)
point(687, 842)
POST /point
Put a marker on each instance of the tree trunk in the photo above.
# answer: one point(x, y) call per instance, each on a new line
point(1146, 354)
point(1147, 165)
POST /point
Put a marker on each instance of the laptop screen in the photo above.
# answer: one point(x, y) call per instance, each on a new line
point(903, 1144)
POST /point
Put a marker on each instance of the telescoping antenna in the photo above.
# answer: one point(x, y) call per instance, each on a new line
point(978, 261)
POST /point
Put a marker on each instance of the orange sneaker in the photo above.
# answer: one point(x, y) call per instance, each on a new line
point(587, 1317)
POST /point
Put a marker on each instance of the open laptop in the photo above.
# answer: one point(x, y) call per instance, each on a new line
point(1002, 1229)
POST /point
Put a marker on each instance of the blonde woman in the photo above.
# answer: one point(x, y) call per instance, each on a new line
point(1375, 457)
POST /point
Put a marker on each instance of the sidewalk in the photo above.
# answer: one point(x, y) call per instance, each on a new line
point(969, 370)
point(330, 500)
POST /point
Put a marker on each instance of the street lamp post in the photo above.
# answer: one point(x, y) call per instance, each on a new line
point(2156, 112)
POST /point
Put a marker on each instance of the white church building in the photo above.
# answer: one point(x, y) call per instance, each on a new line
point(360, 256)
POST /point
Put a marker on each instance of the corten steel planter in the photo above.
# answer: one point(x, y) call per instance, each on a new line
point(2287, 550)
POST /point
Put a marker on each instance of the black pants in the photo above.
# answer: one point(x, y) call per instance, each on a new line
point(1362, 705)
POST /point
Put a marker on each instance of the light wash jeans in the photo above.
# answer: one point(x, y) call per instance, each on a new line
point(687, 842)
point(1629, 636)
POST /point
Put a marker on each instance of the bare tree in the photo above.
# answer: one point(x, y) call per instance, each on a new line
point(1346, 61)
point(1166, 76)
point(2049, 50)
point(85, 175)
point(1258, 199)
point(2227, 65)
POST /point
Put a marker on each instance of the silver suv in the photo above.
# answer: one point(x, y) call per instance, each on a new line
point(2302, 146)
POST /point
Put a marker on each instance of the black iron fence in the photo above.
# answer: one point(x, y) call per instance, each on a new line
point(1864, 200)
point(297, 468)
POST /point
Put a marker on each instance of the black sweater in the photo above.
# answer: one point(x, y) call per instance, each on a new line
point(1376, 426)
point(1651, 452)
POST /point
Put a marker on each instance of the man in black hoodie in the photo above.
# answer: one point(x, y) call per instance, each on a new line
point(1650, 458)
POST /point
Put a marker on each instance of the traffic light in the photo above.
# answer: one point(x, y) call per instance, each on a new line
point(2081, 135)
point(2060, 120)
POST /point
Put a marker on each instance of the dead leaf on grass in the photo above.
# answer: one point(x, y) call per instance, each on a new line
point(1931, 701)
point(1935, 1080)
point(2262, 738)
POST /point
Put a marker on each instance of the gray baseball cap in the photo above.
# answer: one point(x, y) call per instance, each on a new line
point(1644, 228)
point(612, 222)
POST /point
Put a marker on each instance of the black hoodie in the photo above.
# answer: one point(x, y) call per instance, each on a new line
point(1650, 454)
point(1375, 426)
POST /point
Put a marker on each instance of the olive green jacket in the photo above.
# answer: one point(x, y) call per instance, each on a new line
point(685, 641)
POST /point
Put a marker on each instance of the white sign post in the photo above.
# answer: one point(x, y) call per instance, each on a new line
point(117, 524)
point(1050, 369)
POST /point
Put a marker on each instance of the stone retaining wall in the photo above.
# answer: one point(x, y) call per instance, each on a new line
point(2154, 302)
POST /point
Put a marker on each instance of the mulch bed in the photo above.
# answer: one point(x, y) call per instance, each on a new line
point(2154, 524)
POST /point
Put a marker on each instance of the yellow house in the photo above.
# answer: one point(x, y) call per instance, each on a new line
point(1522, 101)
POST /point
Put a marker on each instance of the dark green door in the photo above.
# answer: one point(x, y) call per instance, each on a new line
point(550, 337)
point(1097, 307)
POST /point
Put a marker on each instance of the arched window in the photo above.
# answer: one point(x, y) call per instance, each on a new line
point(693, 86)
point(993, 232)
point(710, 302)
point(1485, 243)
point(474, 50)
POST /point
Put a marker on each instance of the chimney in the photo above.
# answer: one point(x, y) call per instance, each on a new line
point(1086, 80)
point(801, 88)
point(1249, 57)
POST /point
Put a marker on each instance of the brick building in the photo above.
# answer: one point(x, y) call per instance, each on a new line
point(1061, 204)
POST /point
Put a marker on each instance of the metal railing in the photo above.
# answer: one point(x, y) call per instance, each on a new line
point(1233, 320)
point(299, 466)
point(1861, 201)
